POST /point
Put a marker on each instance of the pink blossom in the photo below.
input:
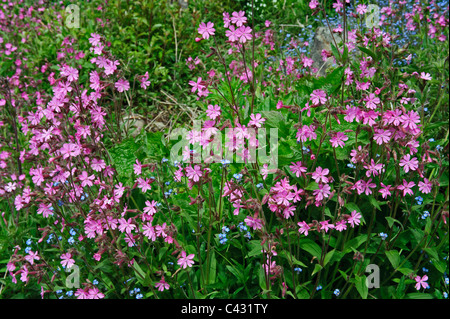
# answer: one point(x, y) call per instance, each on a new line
point(338, 139)
point(162, 285)
point(238, 18)
point(122, 85)
point(194, 173)
point(425, 186)
point(319, 175)
point(206, 29)
point(185, 260)
point(67, 260)
point(298, 169)
point(406, 187)
point(421, 282)
point(304, 227)
point(409, 163)
point(354, 219)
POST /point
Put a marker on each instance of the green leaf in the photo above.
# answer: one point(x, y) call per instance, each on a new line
point(394, 257)
point(354, 243)
point(418, 295)
point(361, 286)
point(374, 202)
point(369, 52)
point(311, 247)
point(328, 257)
point(123, 156)
point(317, 268)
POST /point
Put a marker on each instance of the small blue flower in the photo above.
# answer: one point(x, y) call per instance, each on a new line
point(69, 293)
point(71, 240)
point(164, 160)
point(425, 214)
point(59, 291)
point(72, 232)
point(383, 236)
point(298, 270)
point(27, 249)
point(260, 185)
point(336, 292)
point(431, 140)
point(319, 287)
point(29, 242)
point(95, 282)
point(424, 269)
point(446, 280)
point(242, 227)
point(139, 296)
point(225, 229)
point(445, 295)
point(248, 235)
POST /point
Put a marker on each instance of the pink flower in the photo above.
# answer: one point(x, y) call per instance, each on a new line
point(213, 111)
point(410, 119)
point(406, 188)
point(238, 18)
point(382, 136)
point(245, 33)
point(425, 186)
point(320, 175)
point(149, 231)
point(361, 9)
point(162, 285)
point(421, 282)
point(252, 222)
point(70, 150)
point(94, 293)
point(137, 167)
point(341, 225)
point(409, 163)
point(318, 97)
point(67, 260)
point(85, 179)
point(98, 164)
point(372, 101)
point(81, 294)
point(233, 34)
point(126, 225)
point(325, 226)
point(425, 76)
point(150, 208)
point(313, 4)
point(298, 169)
point(185, 261)
point(373, 169)
point(194, 173)
point(385, 191)
point(322, 192)
point(122, 85)
point(196, 85)
point(354, 219)
point(338, 140)
point(304, 227)
point(256, 120)
point(31, 257)
point(206, 29)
